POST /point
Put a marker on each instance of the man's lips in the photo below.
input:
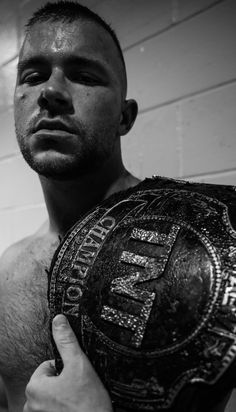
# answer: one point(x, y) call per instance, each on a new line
point(53, 126)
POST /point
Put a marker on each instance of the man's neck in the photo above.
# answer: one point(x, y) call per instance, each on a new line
point(67, 201)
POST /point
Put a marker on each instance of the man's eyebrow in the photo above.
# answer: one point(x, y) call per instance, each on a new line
point(30, 61)
point(85, 61)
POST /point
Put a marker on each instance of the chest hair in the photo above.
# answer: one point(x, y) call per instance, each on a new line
point(24, 317)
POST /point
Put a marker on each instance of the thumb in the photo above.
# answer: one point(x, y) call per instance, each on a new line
point(65, 340)
point(46, 368)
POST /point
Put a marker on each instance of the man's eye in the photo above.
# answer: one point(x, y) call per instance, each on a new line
point(33, 78)
point(84, 78)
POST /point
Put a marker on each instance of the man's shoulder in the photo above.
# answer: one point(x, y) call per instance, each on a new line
point(14, 252)
point(20, 253)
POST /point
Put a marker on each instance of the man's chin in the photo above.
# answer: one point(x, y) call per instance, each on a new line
point(59, 167)
point(61, 174)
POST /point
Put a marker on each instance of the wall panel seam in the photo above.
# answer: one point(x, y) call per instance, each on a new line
point(22, 208)
point(215, 173)
point(172, 26)
point(189, 96)
point(10, 157)
point(15, 56)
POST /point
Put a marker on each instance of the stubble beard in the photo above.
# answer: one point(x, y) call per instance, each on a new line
point(89, 158)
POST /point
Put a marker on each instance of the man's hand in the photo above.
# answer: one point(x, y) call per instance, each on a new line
point(78, 387)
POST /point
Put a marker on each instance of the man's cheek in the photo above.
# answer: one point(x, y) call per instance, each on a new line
point(108, 109)
point(19, 96)
point(101, 102)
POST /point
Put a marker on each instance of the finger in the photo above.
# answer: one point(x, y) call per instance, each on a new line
point(65, 340)
point(46, 368)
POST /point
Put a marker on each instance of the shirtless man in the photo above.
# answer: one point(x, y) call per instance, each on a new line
point(70, 111)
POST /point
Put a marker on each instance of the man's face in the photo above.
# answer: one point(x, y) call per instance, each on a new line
point(68, 98)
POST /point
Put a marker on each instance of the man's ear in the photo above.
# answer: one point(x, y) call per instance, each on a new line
point(128, 116)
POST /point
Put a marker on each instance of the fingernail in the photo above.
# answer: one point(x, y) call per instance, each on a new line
point(60, 321)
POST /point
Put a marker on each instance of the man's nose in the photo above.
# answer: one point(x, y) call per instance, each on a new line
point(55, 97)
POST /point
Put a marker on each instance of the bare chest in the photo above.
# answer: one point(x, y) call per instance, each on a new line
point(24, 317)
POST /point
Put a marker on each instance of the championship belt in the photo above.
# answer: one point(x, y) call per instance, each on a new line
point(147, 281)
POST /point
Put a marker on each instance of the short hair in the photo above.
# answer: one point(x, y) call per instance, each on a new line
point(70, 11)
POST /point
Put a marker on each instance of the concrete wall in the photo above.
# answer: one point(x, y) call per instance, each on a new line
point(181, 64)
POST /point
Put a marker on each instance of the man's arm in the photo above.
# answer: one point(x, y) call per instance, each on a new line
point(78, 387)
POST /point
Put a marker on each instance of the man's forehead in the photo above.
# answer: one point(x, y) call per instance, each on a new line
point(76, 37)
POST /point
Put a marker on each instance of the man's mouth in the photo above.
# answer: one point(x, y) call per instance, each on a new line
point(53, 127)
